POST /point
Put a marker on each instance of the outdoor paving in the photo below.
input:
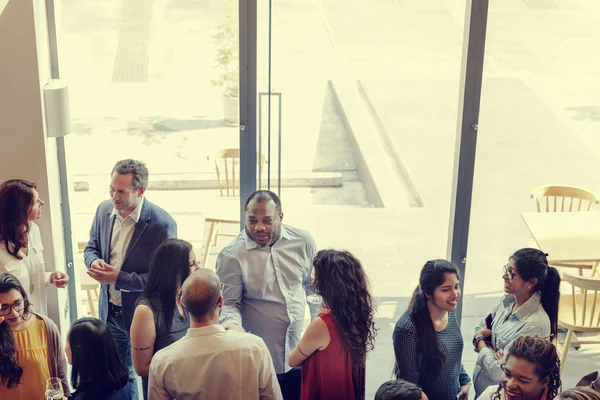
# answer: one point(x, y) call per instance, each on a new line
point(539, 123)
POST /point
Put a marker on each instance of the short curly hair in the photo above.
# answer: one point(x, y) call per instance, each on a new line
point(135, 167)
point(542, 353)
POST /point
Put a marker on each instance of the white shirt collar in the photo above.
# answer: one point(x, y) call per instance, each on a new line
point(135, 214)
point(205, 330)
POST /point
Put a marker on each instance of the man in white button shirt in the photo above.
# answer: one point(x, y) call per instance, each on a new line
point(126, 230)
point(211, 362)
point(266, 272)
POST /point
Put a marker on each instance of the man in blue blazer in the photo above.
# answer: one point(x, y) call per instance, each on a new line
point(126, 230)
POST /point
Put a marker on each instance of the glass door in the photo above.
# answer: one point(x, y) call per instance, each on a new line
point(156, 81)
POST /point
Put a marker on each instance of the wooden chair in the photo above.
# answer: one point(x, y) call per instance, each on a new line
point(89, 285)
point(566, 199)
point(226, 160)
point(579, 312)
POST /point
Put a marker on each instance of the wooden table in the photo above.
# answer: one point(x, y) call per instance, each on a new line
point(566, 236)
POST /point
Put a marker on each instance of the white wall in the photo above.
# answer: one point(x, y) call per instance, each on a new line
point(25, 152)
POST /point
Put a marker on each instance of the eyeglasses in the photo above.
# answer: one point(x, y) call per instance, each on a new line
point(511, 274)
point(18, 306)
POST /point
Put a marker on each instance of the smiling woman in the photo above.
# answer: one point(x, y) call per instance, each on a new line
point(530, 307)
point(427, 340)
point(531, 372)
point(21, 249)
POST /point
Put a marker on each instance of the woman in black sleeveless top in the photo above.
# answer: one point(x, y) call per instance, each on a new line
point(159, 318)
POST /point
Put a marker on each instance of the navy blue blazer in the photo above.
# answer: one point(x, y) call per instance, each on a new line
point(154, 227)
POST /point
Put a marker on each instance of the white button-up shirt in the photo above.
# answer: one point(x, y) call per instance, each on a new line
point(119, 242)
point(212, 363)
point(30, 270)
point(265, 288)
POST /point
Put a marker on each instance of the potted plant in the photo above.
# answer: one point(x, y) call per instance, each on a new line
point(228, 63)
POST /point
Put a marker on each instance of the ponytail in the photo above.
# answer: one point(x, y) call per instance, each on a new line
point(550, 297)
point(533, 263)
point(430, 350)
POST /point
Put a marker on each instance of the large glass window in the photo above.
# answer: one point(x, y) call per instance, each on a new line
point(539, 118)
point(369, 94)
point(155, 81)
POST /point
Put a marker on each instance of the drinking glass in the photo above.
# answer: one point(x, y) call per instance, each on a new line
point(54, 390)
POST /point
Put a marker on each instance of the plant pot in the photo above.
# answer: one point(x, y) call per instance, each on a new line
point(231, 110)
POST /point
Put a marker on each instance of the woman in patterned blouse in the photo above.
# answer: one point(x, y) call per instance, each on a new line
point(427, 340)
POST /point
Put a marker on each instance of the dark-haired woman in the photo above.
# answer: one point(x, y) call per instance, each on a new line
point(21, 250)
point(427, 340)
point(98, 373)
point(30, 346)
point(333, 349)
point(159, 319)
point(530, 307)
point(531, 372)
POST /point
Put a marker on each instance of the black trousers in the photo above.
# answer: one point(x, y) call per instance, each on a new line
point(290, 383)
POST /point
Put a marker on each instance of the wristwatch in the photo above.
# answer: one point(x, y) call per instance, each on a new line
point(477, 339)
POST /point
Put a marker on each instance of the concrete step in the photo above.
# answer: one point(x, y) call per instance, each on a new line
point(201, 181)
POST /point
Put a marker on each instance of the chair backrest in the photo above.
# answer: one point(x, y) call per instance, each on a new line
point(585, 301)
point(231, 157)
point(563, 199)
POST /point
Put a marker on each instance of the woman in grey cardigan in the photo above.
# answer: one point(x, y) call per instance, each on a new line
point(30, 346)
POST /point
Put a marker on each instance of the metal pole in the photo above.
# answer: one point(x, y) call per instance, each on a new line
point(62, 170)
point(247, 42)
point(466, 135)
point(269, 100)
point(279, 152)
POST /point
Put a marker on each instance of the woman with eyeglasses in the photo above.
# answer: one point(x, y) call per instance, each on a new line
point(21, 250)
point(529, 307)
point(531, 372)
point(160, 319)
point(97, 373)
point(31, 349)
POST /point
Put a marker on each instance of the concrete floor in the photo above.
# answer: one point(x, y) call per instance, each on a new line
point(539, 123)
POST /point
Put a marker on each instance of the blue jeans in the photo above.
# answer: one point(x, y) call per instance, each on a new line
point(116, 324)
point(291, 383)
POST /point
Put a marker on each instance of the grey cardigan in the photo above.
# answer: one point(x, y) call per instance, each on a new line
point(56, 353)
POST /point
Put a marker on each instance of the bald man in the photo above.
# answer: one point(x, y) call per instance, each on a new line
point(210, 361)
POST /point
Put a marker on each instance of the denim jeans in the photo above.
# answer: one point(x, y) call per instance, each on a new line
point(116, 324)
point(291, 383)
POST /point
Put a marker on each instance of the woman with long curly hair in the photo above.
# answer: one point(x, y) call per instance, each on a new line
point(427, 340)
point(333, 349)
point(531, 372)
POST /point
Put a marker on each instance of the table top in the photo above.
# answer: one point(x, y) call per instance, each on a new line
point(566, 236)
